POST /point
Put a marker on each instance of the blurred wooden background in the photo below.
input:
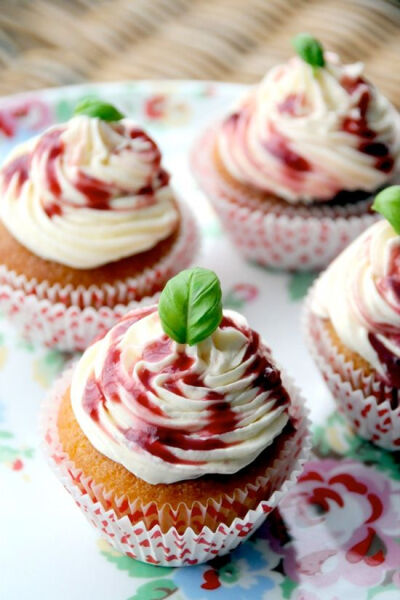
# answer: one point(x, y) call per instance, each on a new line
point(53, 42)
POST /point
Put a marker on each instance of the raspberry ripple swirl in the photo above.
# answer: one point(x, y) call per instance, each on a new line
point(360, 294)
point(169, 412)
point(306, 135)
point(87, 192)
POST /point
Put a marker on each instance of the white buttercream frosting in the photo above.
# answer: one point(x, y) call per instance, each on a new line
point(360, 294)
point(306, 134)
point(169, 412)
point(87, 193)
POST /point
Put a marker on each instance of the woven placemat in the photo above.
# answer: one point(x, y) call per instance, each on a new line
point(46, 42)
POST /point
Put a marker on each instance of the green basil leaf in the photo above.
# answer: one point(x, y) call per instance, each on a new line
point(309, 49)
point(387, 203)
point(96, 108)
point(190, 306)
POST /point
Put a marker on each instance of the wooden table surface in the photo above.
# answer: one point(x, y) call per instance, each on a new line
point(45, 42)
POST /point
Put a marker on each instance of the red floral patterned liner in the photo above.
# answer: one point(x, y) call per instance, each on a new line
point(298, 237)
point(151, 545)
point(40, 314)
point(363, 399)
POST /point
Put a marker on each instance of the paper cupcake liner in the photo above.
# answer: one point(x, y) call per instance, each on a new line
point(138, 533)
point(363, 398)
point(120, 292)
point(70, 318)
point(294, 237)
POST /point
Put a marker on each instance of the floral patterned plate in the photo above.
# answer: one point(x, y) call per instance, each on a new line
point(337, 534)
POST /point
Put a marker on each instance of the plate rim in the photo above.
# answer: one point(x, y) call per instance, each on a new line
point(70, 88)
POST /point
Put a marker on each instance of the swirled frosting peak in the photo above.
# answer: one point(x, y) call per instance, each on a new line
point(360, 294)
point(87, 192)
point(307, 134)
point(169, 412)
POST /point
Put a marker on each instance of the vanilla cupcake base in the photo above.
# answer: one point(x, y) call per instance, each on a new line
point(362, 397)
point(288, 236)
point(70, 318)
point(149, 543)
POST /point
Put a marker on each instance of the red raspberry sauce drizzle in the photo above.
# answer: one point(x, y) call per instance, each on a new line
point(97, 193)
point(278, 146)
point(389, 288)
point(18, 169)
point(359, 126)
point(161, 440)
point(388, 359)
point(292, 105)
point(293, 167)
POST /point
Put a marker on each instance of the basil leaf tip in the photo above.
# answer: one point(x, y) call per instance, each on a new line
point(309, 49)
point(387, 203)
point(92, 107)
point(190, 306)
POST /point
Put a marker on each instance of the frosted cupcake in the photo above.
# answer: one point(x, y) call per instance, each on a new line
point(176, 432)
point(89, 227)
point(353, 327)
point(292, 167)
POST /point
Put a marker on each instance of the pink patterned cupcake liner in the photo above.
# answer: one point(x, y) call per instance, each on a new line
point(290, 237)
point(69, 318)
point(371, 407)
point(138, 534)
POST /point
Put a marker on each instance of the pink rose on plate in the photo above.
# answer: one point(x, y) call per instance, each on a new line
point(240, 294)
point(166, 108)
point(32, 114)
point(155, 106)
point(246, 291)
point(344, 518)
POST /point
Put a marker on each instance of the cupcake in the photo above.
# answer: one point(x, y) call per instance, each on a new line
point(176, 432)
point(292, 168)
point(89, 227)
point(352, 323)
